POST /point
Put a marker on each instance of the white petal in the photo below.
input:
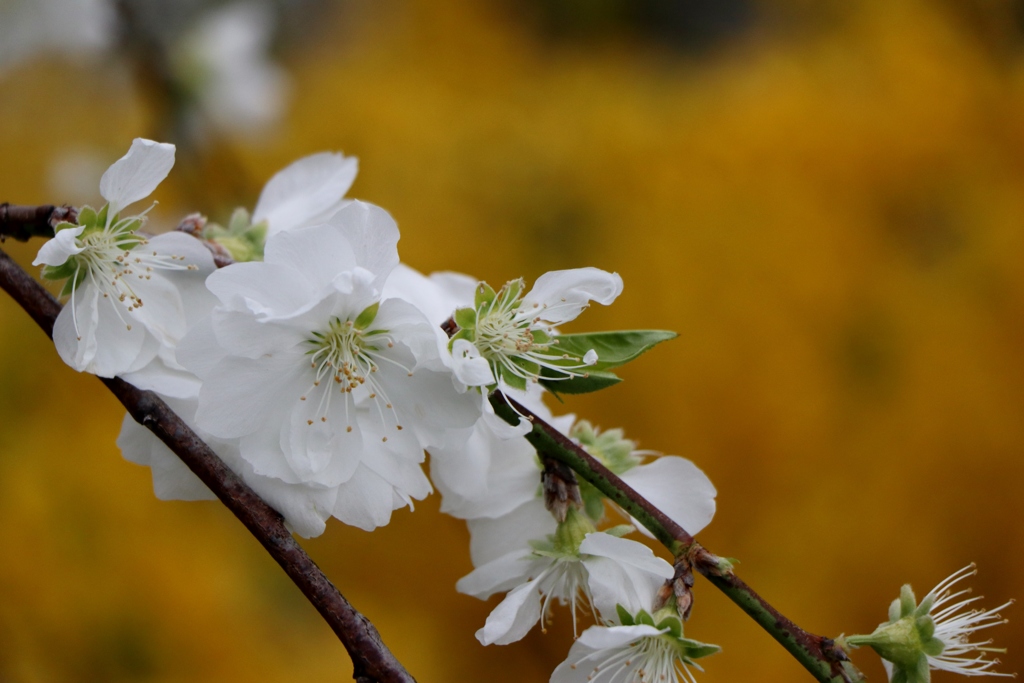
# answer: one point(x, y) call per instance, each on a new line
point(264, 289)
point(492, 538)
point(513, 617)
point(373, 234)
point(590, 357)
point(304, 192)
point(159, 377)
point(172, 480)
point(433, 296)
point(427, 403)
point(622, 572)
point(240, 395)
point(501, 574)
point(469, 366)
point(365, 501)
point(678, 488)
point(135, 175)
point(199, 351)
point(56, 251)
point(318, 254)
point(604, 638)
point(241, 334)
point(560, 295)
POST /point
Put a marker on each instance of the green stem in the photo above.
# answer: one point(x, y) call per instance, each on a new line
point(820, 656)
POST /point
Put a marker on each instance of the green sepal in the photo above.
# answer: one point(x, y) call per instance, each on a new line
point(461, 334)
point(674, 626)
point(63, 271)
point(511, 378)
point(696, 649)
point(99, 220)
point(584, 384)
point(642, 617)
point(87, 216)
point(894, 611)
point(925, 627)
point(593, 500)
point(465, 318)
point(484, 295)
point(922, 673)
point(908, 603)
point(613, 348)
point(239, 222)
point(926, 606)
point(625, 618)
point(510, 292)
point(620, 530)
point(71, 283)
point(368, 315)
point(933, 647)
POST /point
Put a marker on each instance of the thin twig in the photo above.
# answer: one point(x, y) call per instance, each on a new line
point(819, 655)
point(24, 222)
point(372, 661)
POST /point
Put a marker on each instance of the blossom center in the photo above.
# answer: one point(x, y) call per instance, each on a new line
point(342, 354)
point(349, 355)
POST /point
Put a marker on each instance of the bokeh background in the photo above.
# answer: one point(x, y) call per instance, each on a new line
point(825, 199)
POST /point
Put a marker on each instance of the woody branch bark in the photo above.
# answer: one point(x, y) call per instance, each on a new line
point(819, 655)
point(23, 222)
point(372, 661)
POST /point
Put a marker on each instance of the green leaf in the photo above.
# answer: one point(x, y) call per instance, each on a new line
point(584, 384)
point(613, 348)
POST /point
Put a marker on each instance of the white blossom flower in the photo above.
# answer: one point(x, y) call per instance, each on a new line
point(125, 289)
point(306, 192)
point(633, 646)
point(575, 565)
point(935, 634)
point(321, 382)
point(509, 336)
point(224, 59)
point(27, 27)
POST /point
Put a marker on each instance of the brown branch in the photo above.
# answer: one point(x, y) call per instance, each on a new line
point(24, 222)
point(372, 661)
point(819, 655)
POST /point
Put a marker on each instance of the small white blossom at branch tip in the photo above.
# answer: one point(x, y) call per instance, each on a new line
point(935, 634)
point(634, 646)
point(511, 337)
point(125, 289)
point(575, 565)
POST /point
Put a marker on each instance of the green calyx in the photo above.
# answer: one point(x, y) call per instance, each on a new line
point(565, 542)
point(906, 640)
point(96, 238)
point(611, 447)
point(686, 649)
point(521, 347)
point(613, 450)
point(243, 239)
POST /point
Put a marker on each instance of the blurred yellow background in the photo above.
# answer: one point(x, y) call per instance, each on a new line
point(827, 204)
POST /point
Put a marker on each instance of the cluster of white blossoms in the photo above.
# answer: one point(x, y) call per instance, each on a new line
point(322, 370)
